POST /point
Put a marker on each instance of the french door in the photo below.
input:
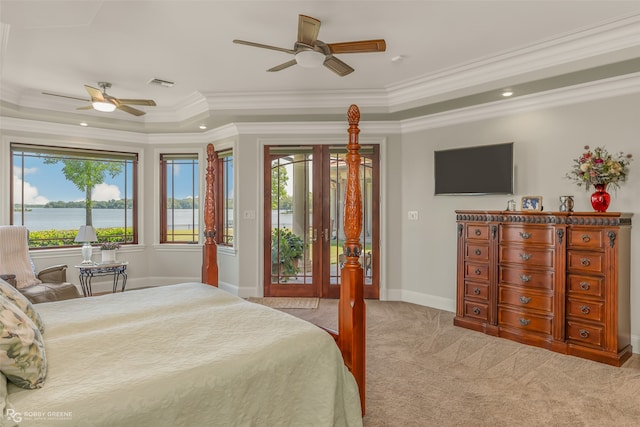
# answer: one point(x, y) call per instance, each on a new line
point(304, 201)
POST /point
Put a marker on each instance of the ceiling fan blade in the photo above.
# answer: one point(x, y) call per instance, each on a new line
point(283, 66)
point(308, 29)
point(148, 102)
point(265, 46)
point(337, 66)
point(130, 110)
point(96, 94)
point(358, 47)
point(88, 107)
point(65, 96)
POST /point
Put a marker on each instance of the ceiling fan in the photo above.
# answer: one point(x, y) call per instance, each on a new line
point(101, 101)
point(310, 52)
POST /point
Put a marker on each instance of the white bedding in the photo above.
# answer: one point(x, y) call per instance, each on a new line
point(185, 355)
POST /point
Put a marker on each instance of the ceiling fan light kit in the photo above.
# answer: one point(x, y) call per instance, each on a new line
point(105, 107)
point(309, 52)
point(310, 58)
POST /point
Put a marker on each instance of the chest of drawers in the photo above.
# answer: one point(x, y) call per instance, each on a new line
point(554, 280)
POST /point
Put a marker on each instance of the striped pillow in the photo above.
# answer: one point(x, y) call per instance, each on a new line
point(14, 256)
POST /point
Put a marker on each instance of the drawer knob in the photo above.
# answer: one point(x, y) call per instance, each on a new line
point(525, 235)
point(525, 257)
point(525, 322)
point(478, 251)
point(478, 232)
point(583, 333)
point(586, 238)
point(478, 271)
point(585, 309)
point(476, 310)
point(584, 286)
point(525, 278)
point(525, 300)
point(476, 291)
point(585, 261)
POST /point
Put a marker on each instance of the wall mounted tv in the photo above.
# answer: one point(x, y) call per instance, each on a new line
point(485, 169)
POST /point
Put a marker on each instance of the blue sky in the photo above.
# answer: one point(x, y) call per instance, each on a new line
point(45, 183)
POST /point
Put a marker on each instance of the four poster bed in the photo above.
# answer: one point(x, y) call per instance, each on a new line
point(191, 354)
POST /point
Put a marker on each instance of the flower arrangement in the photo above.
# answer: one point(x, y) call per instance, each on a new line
point(598, 167)
point(109, 246)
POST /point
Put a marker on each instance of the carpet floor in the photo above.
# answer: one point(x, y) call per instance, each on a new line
point(286, 302)
point(423, 371)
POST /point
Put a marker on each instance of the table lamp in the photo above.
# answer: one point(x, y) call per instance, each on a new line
point(86, 235)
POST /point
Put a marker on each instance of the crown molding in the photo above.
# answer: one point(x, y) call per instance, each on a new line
point(618, 86)
point(575, 46)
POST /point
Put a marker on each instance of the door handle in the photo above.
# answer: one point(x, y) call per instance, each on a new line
point(326, 234)
point(315, 234)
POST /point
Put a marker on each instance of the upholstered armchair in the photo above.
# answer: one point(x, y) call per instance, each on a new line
point(17, 269)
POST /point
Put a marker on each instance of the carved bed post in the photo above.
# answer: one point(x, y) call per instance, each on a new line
point(210, 249)
point(351, 311)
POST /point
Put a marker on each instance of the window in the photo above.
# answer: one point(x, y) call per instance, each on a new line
point(224, 208)
point(179, 211)
point(55, 190)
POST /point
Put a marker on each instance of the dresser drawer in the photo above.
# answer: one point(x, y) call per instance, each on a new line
point(478, 252)
point(522, 319)
point(591, 262)
point(525, 298)
point(477, 310)
point(585, 238)
point(524, 277)
point(585, 334)
point(477, 231)
point(585, 285)
point(477, 271)
point(588, 310)
point(527, 234)
point(536, 257)
point(476, 290)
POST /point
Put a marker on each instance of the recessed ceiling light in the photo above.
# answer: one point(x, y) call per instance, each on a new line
point(203, 127)
point(84, 124)
point(507, 93)
point(397, 59)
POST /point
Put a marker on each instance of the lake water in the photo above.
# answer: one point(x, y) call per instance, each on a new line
point(39, 219)
point(72, 218)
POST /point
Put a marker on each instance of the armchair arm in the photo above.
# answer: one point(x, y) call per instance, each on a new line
point(53, 274)
point(9, 278)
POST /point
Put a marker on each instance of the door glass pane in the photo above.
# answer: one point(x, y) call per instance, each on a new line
point(291, 218)
point(338, 177)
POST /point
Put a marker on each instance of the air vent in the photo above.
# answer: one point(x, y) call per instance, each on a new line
point(161, 82)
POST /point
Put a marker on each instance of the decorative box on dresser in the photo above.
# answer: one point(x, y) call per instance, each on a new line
point(558, 280)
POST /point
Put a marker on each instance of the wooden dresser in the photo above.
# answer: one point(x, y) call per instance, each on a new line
point(558, 280)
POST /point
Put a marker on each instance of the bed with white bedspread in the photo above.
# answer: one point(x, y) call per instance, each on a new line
point(184, 355)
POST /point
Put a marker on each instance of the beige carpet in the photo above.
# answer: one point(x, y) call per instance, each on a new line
point(423, 371)
point(287, 302)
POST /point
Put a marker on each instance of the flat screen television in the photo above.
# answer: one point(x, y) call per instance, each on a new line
point(485, 169)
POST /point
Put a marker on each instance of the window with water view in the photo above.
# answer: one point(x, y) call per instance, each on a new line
point(56, 190)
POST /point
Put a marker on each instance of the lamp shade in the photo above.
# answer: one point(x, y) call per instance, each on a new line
point(310, 58)
point(86, 234)
point(105, 107)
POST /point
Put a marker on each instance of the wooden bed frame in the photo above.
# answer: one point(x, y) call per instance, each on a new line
point(350, 336)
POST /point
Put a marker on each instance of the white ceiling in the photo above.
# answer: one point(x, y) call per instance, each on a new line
point(454, 53)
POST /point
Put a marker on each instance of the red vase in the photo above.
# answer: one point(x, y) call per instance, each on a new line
point(600, 199)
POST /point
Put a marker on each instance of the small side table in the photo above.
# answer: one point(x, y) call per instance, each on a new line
point(89, 271)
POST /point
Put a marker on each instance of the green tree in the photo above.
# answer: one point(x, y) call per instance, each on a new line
point(279, 179)
point(85, 175)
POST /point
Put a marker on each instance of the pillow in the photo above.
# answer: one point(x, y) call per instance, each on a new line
point(22, 355)
point(16, 297)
